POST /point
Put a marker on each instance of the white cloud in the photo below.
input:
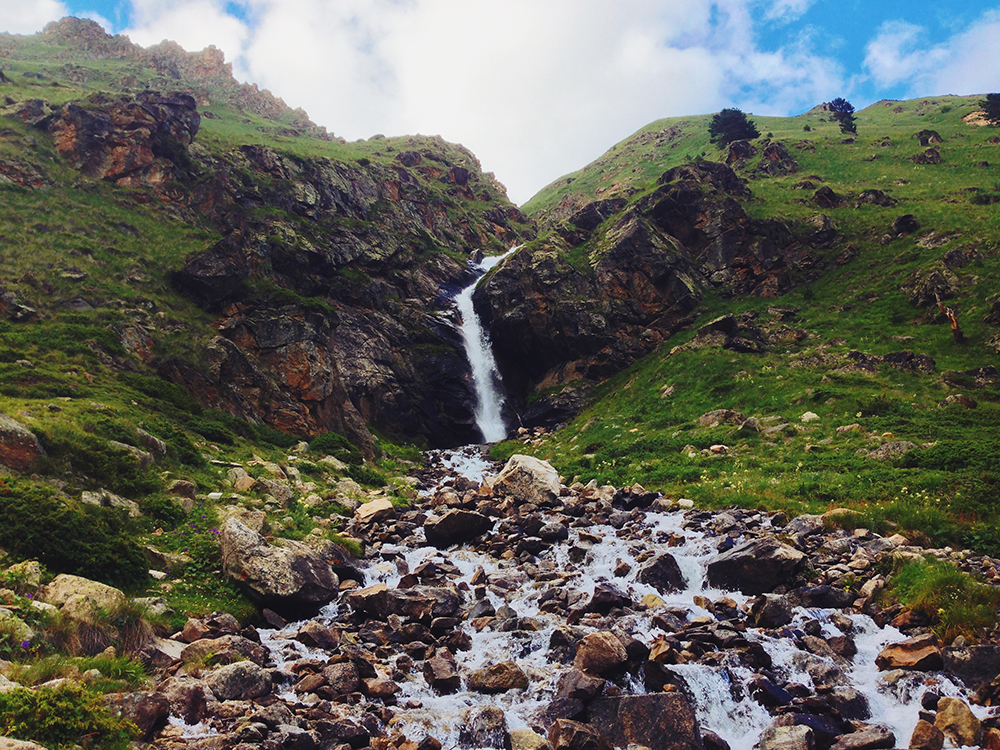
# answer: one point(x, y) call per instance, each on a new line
point(21, 17)
point(193, 24)
point(787, 10)
point(966, 63)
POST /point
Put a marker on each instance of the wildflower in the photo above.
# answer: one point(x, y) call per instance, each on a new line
point(25, 644)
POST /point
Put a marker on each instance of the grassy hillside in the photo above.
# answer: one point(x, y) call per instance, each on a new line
point(874, 297)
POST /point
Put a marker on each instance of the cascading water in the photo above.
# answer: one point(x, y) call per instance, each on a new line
point(485, 376)
point(718, 688)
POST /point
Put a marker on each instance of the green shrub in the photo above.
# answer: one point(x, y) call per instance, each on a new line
point(953, 600)
point(366, 475)
point(96, 543)
point(96, 459)
point(63, 717)
point(336, 445)
point(267, 434)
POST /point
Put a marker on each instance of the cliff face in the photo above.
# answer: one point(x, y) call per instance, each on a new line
point(645, 266)
point(331, 282)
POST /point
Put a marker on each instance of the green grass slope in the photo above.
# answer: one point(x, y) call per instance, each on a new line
point(642, 426)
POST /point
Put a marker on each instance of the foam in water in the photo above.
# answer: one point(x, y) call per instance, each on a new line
point(485, 376)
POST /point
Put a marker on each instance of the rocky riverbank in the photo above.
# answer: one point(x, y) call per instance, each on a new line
point(523, 613)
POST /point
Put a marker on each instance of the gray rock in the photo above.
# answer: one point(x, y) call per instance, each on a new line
point(19, 447)
point(243, 680)
point(755, 567)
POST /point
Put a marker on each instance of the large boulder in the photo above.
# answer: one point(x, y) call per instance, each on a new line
point(527, 478)
point(498, 678)
point(600, 653)
point(920, 653)
point(659, 721)
point(19, 447)
point(484, 727)
point(757, 566)
point(290, 578)
point(456, 527)
point(663, 574)
point(80, 598)
point(243, 680)
point(148, 711)
point(957, 722)
point(565, 734)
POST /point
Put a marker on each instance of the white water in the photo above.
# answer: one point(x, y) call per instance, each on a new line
point(485, 376)
point(719, 692)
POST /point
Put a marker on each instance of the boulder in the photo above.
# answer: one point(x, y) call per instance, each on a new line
point(292, 579)
point(528, 479)
point(663, 574)
point(441, 672)
point(456, 527)
point(80, 598)
point(926, 736)
point(227, 649)
point(869, 738)
point(659, 721)
point(771, 611)
point(795, 737)
point(498, 678)
point(565, 734)
point(600, 653)
point(423, 603)
point(957, 722)
point(342, 678)
point(148, 711)
point(9, 743)
point(484, 727)
point(375, 511)
point(19, 447)
point(921, 653)
point(242, 680)
point(757, 566)
point(527, 739)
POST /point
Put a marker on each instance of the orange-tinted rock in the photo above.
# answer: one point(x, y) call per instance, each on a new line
point(922, 653)
point(19, 447)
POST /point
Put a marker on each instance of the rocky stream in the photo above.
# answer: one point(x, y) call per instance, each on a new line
point(523, 613)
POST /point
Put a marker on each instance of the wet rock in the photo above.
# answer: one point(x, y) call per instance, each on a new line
point(577, 685)
point(755, 567)
point(315, 635)
point(226, 649)
point(874, 738)
point(565, 734)
point(19, 447)
point(926, 736)
point(372, 600)
point(456, 527)
point(484, 727)
point(527, 739)
point(921, 653)
point(606, 598)
point(423, 603)
point(441, 672)
point(528, 479)
point(187, 696)
point(828, 597)
point(767, 693)
point(378, 510)
point(957, 722)
point(498, 678)
point(771, 611)
point(659, 721)
point(600, 653)
point(292, 579)
point(243, 680)
point(663, 574)
point(794, 737)
point(342, 678)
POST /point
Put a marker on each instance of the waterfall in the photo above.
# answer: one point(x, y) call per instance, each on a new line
point(485, 376)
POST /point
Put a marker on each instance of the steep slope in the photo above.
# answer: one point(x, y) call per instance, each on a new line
point(325, 266)
point(839, 381)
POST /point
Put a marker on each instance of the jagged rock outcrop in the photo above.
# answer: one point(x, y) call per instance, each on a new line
point(552, 321)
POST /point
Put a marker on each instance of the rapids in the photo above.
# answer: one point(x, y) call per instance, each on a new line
point(718, 690)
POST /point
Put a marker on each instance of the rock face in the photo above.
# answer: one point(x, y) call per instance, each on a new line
point(551, 322)
point(18, 445)
point(291, 579)
point(757, 566)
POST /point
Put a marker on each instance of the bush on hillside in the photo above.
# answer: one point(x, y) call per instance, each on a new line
point(96, 543)
point(336, 445)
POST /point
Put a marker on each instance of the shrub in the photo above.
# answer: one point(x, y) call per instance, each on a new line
point(366, 475)
point(336, 445)
point(953, 600)
point(63, 717)
point(731, 125)
point(96, 543)
point(99, 461)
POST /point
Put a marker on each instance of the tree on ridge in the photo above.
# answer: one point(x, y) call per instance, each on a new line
point(731, 125)
point(843, 112)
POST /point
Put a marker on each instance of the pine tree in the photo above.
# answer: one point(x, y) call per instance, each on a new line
point(731, 125)
point(843, 112)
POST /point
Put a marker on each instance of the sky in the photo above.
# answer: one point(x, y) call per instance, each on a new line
point(539, 88)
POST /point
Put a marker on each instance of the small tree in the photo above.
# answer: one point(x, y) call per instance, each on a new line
point(731, 125)
point(843, 112)
point(991, 108)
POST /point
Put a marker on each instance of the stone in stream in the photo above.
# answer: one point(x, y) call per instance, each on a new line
point(498, 678)
point(565, 734)
point(456, 527)
point(658, 721)
point(868, 738)
point(441, 672)
point(663, 574)
point(600, 653)
point(957, 722)
point(342, 678)
point(243, 680)
point(921, 653)
point(528, 479)
point(484, 727)
point(757, 566)
point(796, 737)
point(926, 736)
point(770, 611)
